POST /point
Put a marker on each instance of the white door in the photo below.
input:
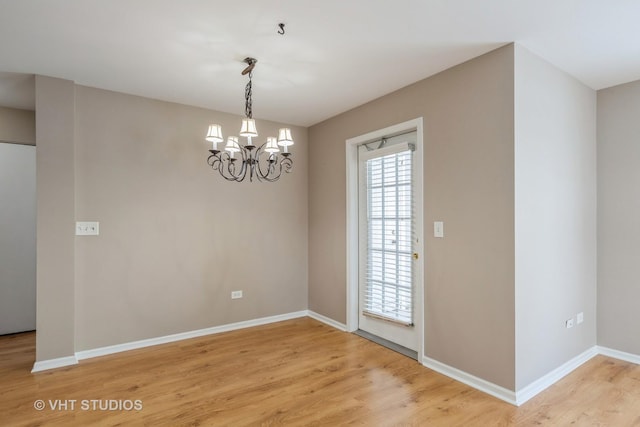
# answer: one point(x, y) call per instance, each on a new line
point(17, 238)
point(387, 237)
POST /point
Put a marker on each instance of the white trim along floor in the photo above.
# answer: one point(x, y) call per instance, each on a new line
point(515, 398)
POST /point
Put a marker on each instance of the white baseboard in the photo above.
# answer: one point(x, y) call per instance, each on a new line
point(45, 365)
point(617, 354)
point(509, 396)
point(554, 376)
point(470, 380)
point(514, 398)
point(103, 351)
point(539, 385)
point(324, 319)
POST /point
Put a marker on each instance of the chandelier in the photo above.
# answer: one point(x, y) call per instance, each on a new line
point(265, 162)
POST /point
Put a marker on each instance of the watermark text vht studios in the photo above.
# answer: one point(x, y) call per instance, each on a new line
point(88, 405)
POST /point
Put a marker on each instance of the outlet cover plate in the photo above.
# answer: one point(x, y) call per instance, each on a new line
point(87, 228)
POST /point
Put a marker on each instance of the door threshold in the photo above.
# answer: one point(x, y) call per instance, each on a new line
point(388, 344)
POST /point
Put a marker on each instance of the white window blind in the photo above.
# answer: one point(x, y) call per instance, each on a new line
point(388, 292)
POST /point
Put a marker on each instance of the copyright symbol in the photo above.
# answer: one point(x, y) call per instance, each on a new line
point(39, 405)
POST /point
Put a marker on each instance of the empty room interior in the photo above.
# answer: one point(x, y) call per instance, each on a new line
point(319, 213)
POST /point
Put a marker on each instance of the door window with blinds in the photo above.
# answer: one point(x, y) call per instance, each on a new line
point(387, 229)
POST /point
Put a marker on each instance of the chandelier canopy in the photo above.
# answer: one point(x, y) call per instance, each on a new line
point(265, 162)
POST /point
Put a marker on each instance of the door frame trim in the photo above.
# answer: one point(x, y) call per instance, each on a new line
point(351, 147)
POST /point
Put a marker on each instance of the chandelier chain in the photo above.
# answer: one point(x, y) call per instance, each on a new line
point(247, 98)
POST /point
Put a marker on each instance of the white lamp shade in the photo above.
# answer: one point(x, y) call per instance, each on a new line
point(272, 145)
point(284, 137)
point(248, 128)
point(214, 134)
point(232, 145)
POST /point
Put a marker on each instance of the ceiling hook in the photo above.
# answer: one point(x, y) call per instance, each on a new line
point(281, 30)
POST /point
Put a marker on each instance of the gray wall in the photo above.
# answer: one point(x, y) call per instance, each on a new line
point(555, 216)
point(17, 238)
point(17, 126)
point(468, 172)
point(55, 131)
point(618, 217)
point(175, 238)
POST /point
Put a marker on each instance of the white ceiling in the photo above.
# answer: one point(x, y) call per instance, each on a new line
point(335, 55)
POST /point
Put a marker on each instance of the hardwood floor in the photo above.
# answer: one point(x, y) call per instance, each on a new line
point(298, 372)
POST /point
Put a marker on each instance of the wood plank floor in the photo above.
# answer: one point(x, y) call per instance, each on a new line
point(298, 372)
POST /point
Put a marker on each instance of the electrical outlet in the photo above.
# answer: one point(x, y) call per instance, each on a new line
point(580, 318)
point(236, 294)
point(569, 323)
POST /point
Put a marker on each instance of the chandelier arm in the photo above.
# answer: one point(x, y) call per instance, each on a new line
point(268, 176)
point(272, 178)
point(212, 160)
point(229, 173)
point(237, 175)
point(259, 153)
point(216, 162)
point(286, 165)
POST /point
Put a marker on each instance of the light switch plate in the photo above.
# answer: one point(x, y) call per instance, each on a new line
point(87, 228)
point(438, 229)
